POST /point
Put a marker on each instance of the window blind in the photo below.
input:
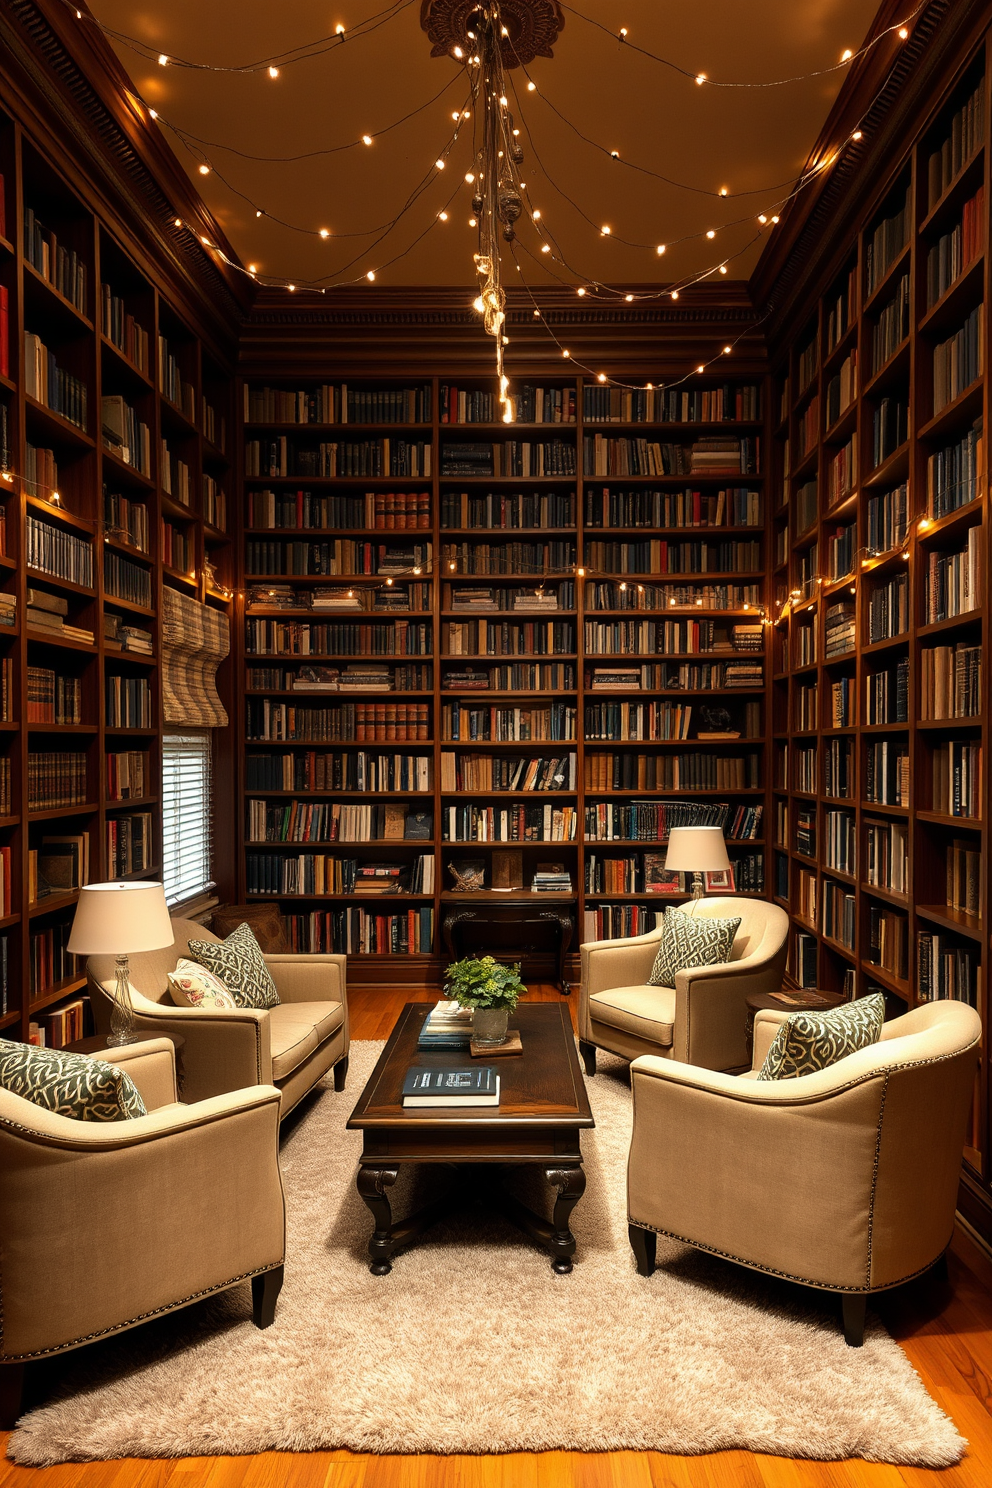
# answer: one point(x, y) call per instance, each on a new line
point(186, 816)
point(195, 640)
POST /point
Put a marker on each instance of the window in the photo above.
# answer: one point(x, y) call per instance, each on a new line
point(186, 816)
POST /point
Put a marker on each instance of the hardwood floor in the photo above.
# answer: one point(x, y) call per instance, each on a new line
point(946, 1332)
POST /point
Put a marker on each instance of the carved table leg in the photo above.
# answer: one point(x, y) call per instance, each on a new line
point(569, 1185)
point(372, 1186)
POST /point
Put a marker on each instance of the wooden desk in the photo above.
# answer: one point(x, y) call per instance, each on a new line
point(510, 925)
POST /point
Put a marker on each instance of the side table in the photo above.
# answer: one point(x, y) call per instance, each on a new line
point(789, 1000)
point(97, 1045)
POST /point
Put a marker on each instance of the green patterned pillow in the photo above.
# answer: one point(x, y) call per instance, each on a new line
point(71, 1085)
point(239, 963)
point(691, 940)
point(807, 1041)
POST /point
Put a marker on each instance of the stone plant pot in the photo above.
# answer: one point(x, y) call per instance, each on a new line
point(489, 1025)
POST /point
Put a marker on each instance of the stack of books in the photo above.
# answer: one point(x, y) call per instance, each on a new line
point(336, 599)
point(8, 609)
point(447, 1026)
point(478, 1086)
point(473, 599)
point(48, 611)
point(536, 599)
point(551, 878)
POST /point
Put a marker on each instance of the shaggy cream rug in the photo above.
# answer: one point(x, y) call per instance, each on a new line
point(472, 1344)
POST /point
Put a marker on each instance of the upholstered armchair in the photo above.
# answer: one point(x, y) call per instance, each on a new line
point(108, 1224)
point(290, 1046)
point(702, 1019)
point(844, 1180)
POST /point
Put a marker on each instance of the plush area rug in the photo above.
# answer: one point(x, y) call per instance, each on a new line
point(473, 1344)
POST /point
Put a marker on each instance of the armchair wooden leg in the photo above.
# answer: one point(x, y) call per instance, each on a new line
point(588, 1052)
point(341, 1073)
point(11, 1394)
point(264, 1291)
point(643, 1244)
point(854, 1306)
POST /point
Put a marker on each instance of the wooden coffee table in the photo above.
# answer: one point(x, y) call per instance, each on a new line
point(542, 1112)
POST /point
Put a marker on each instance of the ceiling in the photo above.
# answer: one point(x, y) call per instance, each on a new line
point(748, 140)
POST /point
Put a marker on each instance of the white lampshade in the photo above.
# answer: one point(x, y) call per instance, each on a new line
point(697, 850)
point(120, 918)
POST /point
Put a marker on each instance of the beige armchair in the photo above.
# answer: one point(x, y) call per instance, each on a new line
point(702, 1019)
point(844, 1180)
point(106, 1225)
point(290, 1046)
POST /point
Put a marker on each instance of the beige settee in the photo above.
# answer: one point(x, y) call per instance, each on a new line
point(702, 1019)
point(290, 1046)
point(105, 1225)
point(845, 1179)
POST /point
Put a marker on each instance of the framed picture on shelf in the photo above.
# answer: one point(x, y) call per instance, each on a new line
point(658, 879)
point(720, 882)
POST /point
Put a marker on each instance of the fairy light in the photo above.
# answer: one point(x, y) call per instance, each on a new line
point(177, 222)
point(273, 72)
point(846, 54)
point(604, 232)
point(546, 248)
point(366, 139)
point(457, 52)
point(856, 135)
point(324, 233)
point(339, 29)
point(700, 79)
point(442, 216)
point(902, 33)
point(439, 163)
point(601, 377)
point(163, 60)
point(531, 87)
point(204, 170)
point(470, 177)
point(711, 234)
point(675, 294)
point(370, 275)
point(660, 249)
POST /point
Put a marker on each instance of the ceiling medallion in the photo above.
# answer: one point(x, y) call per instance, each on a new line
point(532, 27)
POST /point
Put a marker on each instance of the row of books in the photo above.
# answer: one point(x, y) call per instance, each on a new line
point(129, 775)
point(838, 769)
point(888, 608)
point(130, 844)
point(959, 361)
point(888, 940)
point(964, 136)
point(840, 309)
point(637, 721)
point(62, 266)
point(955, 250)
point(888, 519)
point(178, 548)
point(842, 472)
point(53, 697)
point(625, 771)
point(674, 637)
point(495, 511)
point(172, 383)
point(529, 405)
point(340, 556)
point(886, 242)
point(330, 403)
point(49, 962)
point(658, 556)
point(292, 638)
point(956, 473)
point(307, 510)
point(124, 579)
point(122, 329)
point(54, 550)
point(125, 435)
point(345, 458)
point(119, 636)
point(653, 821)
point(128, 702)
point(214, 503)
point(950, 681)
point(619, 921)
point(887, 694)
point(485, 597)
point(388, 638)
point(126, 520)
point(508, 558)
point(337, 821)
point(956, 779)
point(728, 403)
point(963, 876)
point(61, 865)
point(518, 823)
point(806, 365)
point(520, 676)
point(840, 839)
point(945, 969)
point(887, 856)
point(734, 507)
point(464, 721)
point(491, 772)
point(511, 457)
point(605, 454)
point(838, 913)
point(703, 676)
point(952, 582)
point(842, 389)
point(314, 873)
point(56, 778)
point(362, 932)
point(840, 552)
point(63, 1026)
point(506, 638)
point(808, 427)
point(52, 385)
point(353, 770)
point(346, 722)
point(889, 429)
point(892, 326)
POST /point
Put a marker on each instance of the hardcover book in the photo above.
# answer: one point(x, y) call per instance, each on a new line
point(452, 1086)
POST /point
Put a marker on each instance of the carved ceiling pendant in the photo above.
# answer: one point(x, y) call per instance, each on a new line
point(532, 27)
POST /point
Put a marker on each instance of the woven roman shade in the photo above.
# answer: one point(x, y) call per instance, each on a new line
point(195, 640)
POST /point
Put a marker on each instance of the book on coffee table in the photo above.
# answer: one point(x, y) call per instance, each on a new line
point(451, 1086)
point(447, 1026)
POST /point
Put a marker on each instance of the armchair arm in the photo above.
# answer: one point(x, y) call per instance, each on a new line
point(767, 1023)
point(710, 1015)
point(225, 1049)
point(152, 1067)
point(713, 1158)
point(309, 978)
point(126, 1219)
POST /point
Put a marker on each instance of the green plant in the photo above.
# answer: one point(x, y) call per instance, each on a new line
point(482, 982)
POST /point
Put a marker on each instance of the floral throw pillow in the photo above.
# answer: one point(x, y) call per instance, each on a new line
point(690, 940)
point(194, 986)
point(808, 1041)
point(72, 1085)
point(239, 963)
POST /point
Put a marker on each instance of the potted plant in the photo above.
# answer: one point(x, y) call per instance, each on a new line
point(491, 989)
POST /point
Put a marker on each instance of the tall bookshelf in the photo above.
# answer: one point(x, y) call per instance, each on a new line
point(880, 684)
point(95, 430)
point(568, 608)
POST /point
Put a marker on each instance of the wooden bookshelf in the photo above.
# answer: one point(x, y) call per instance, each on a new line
point(893, 297)
point(97, 285)
point(498, 549)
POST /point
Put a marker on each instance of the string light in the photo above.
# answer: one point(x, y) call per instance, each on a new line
point(273, 72)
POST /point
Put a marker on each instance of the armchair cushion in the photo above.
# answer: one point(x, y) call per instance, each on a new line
point(644, 1012)
point(194, 986)
point(687, 941)
point(807, 1041)
point(72, 1085)
point(239, 963)
point(295, 1030)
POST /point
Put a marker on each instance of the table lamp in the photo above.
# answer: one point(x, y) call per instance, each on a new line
point(113, 919)
point(697, 850)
